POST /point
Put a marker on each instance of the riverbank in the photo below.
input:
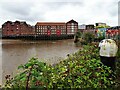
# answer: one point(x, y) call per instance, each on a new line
point(81, 69)
point(41, 37)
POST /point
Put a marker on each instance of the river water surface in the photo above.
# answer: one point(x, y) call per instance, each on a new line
point(16, 52)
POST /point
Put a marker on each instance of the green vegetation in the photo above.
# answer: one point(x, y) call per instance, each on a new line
point(85, 38)
point(82, 69)
point(103, 26)
point(118, 65)
point(88, 37)
point(78, 34)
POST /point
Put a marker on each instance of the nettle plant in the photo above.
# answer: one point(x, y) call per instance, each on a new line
point(82, 69)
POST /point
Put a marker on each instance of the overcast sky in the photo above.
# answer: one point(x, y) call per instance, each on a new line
point(82, 11)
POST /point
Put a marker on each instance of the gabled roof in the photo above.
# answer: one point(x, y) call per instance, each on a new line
point(72, 21)
point(7, 22)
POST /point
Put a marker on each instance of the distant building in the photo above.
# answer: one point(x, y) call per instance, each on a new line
point(90, 26)
point(21, 29)
point(71, 27)
point(16, 28)
point(86, 28)
point(48, 28)
point(100, 24)
point(56, 28)
point(81, 28)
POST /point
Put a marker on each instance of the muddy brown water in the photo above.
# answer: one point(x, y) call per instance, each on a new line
point(16, 52)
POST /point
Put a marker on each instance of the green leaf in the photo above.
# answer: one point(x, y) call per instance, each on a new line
point(21, 66)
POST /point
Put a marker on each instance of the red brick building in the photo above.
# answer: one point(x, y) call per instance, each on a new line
point(17, 28)
point(21, 29)
point(48, 28)
point(56, 28)
point(71, 27)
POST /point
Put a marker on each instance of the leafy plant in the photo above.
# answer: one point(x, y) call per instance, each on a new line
point(82, 69)
point(34, 74)
point(79, 34)
point(88, 37)
point(118, 65)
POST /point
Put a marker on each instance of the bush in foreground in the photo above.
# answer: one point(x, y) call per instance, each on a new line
point(82, 69)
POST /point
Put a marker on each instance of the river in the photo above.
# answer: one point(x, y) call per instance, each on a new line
point(16, 52)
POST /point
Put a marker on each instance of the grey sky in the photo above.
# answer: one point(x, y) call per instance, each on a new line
point(119, 13)
point(83, 11)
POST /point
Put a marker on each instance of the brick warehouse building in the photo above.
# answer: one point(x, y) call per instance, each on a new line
point(48, 28)
point(71, 27)
point(40, 30)
point(56, 28)
point(17, 28)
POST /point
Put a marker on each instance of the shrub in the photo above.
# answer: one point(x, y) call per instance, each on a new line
point(100, 38)
point(118, 65)
point(88, 37)
point(79, 34)
point(82, 69)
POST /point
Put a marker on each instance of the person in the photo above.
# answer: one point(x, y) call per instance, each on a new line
point(108, 51)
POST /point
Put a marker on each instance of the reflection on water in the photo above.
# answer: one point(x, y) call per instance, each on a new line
point(16, 52)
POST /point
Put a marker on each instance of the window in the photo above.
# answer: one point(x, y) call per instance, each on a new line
point(72, 27)
point(48, 27)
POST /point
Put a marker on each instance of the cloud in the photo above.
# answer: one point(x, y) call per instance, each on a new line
point(119, 13)
point(16, 9)
point(83, 11)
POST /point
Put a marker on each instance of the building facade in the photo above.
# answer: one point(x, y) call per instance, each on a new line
point(90, 26)
point(50, 28)
point(100, 24)
point(56, 28)
point(71, 27)
point(17, 28)
point(21, 29)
